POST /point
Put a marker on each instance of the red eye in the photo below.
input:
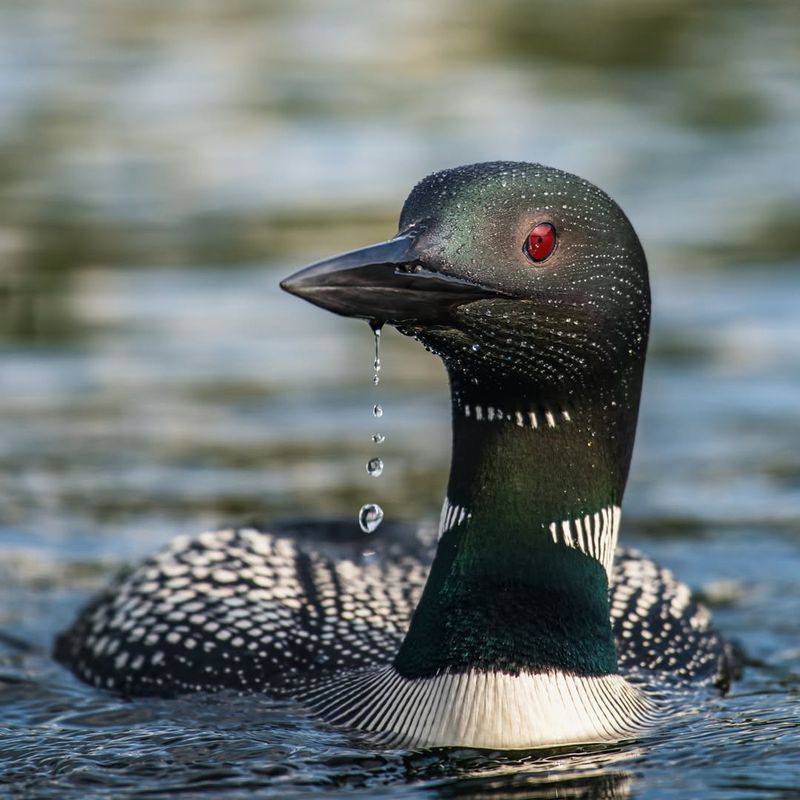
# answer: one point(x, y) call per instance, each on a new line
point(540, 243)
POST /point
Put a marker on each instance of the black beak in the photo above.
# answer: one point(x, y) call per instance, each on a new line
point(384, 282)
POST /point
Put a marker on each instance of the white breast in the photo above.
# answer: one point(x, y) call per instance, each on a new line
point(482, 709)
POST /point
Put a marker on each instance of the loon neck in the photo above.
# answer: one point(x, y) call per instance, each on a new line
point(528, 531)
point(539, 459)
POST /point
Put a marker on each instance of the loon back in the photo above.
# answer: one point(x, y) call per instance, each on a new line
point(532, 287)
point(301, 612)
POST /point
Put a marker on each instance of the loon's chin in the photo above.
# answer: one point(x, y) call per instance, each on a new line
point(386, 283)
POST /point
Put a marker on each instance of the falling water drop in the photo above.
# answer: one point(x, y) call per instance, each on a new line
point(370, 516)
point(375, 467)
point(376, 364)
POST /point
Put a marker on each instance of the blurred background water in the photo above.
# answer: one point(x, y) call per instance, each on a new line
point(162, 165)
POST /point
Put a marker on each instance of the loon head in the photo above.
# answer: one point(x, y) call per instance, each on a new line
point(520, 276)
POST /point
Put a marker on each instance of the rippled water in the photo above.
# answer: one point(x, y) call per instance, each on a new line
point(163, 165)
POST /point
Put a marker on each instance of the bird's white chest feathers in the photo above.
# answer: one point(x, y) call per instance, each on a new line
point(482, 709)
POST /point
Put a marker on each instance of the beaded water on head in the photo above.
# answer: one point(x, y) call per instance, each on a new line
point(524, 624)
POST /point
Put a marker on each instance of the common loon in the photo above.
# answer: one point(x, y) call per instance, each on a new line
point(531, 628)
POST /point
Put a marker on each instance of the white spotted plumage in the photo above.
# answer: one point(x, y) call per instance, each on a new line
point(303, 609)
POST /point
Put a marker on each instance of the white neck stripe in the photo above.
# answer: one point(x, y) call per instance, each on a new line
point(452, 516)
point(522, 419)
point(594, 535)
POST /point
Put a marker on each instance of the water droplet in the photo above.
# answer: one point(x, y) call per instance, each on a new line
point(370, 516)
point(375, 467)
point(377, 362)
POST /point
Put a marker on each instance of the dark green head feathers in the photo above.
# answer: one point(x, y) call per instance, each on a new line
point(575, 319)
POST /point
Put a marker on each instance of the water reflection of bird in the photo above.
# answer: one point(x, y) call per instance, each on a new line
point(531, 628)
